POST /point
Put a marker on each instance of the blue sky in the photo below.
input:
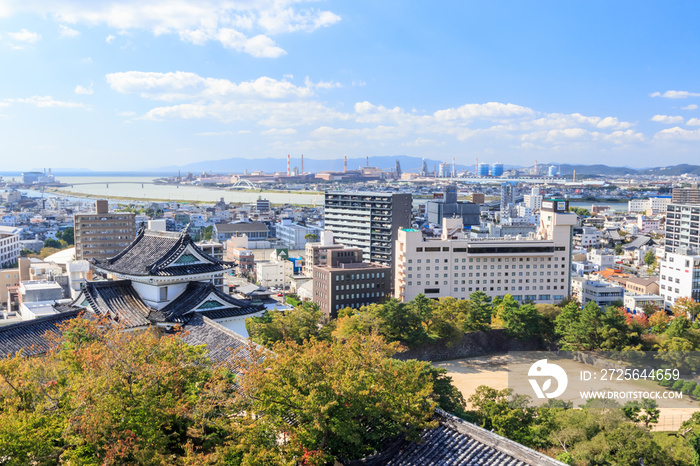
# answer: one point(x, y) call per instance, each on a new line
point(139, 84)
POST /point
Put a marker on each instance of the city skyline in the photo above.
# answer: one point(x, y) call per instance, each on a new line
point(138, 85)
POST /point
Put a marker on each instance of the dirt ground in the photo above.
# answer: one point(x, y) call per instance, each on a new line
point(469, 373)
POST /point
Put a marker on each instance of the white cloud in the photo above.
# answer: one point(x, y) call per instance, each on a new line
point(81, 90)
point(321, 84)
point(667, 119)
point(44, 102)
point(693, 122)
point(244, 25)
point(279, 132)
point(22, 39)
point(677, 133)
point(180, 85)
point(215, 133)
point(127, 114)
point(675, 94)
point(65, 31)
point(109, 39)
point(690, 107)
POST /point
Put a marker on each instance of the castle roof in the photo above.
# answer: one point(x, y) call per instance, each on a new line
point(162, 253)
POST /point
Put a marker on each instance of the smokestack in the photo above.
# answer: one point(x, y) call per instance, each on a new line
point(289, 166)
point(302, 164)
point(367, 161)
point(345, 164)
point(454, 168)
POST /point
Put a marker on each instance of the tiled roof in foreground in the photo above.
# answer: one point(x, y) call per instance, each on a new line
point(31, 335)
point(457, 442)
point(224, 346)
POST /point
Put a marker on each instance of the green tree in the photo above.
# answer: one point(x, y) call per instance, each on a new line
point(479, 311)
point(52, 243)
point(645, 412)
point(311, 237)
point(503, 412)
point(650, 258)
point(345, 397)
point(300, 324)
point(521, 322)
point(67, 235)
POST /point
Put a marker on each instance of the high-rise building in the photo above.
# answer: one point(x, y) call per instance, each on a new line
point(10, 245)
point(102, 234)
point(369, 221)
point(507, 198)
point(531, 269)
point(683, 220)
point(686, 196)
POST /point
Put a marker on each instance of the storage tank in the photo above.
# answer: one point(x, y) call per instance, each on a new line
point(553, 170)
point(497, 169)
point(483, 169)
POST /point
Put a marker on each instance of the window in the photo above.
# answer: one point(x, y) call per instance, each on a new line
point(163, 293)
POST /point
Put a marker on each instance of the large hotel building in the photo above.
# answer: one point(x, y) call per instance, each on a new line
point(536, 268)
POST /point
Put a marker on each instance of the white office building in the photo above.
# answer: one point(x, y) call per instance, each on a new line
point(536, 268)
point(680, 276)
point(9, 245)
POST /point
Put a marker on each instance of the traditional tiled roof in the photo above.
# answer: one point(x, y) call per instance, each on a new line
point(152, 253)
point(224, 346)
point(638, 242)
point(118, 300)
point(181, 308)
point(32, 335)
point(457, 442)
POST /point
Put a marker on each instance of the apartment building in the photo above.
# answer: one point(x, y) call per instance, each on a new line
point(9, 245)
point(680, 276)
point(102, 234)
point(369, 221)
point(536, 268)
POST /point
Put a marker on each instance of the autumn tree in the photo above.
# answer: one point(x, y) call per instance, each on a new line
point(686, 307)
point(104, 396)
point(329, 401)
point(299, 324)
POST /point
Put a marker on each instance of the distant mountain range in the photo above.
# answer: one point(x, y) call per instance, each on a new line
point(674, 170)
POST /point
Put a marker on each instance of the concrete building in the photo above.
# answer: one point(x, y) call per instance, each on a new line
point(643, 286)
point(262, 205)
point(102, 234)
point(647, 224)
point(507, 198)
point(586, 237)
point(445, 205)
point(689, 196)
point(536, 268)
point(637, 302)
point(293, 236)
point(317, 253)
point(10, 246)
point(602, 293)
point(534, 199)
point(349, 284)
point(8, 278)
point(256, 232)
point(680, 276)
point(369, 221)
point(213, 248)
point(682, 226)
point(275, 273)
point(654, 204)
point(601, 259)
